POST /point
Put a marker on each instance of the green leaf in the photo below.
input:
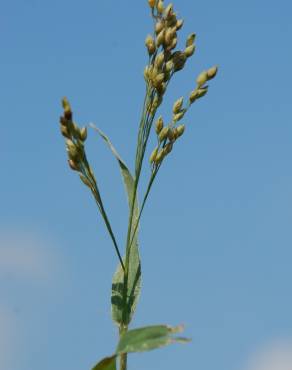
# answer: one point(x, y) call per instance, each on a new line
point(124, 300)
point(108, 363)
point(148, 338)
point(141, 340)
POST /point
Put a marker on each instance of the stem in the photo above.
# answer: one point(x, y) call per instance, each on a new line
point(97, 197)
point(123, 357)
point(153, 175)
point(139, 160)
point(107, 223)
point(123, 361)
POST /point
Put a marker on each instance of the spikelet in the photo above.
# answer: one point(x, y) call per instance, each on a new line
point(177, 105)
point(163, 133)
point(160, 38)
point(159, 60)
point(202, 78)
point(159, 125)
point(150, 44)
point(83, 134)
point(179, 24)
point(168, 148)
point(160, 6)
point(153, 155)
point(73, 165)
point(178, 116)
point(159, 26)
point(168, 11)
point(152, 3)
point(189, 51)
point(179, 59)
point(180, 130)
point(159, 157)
point(191, 39)
point(212, 72)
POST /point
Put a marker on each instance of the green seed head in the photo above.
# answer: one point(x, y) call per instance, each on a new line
point(180, 130)
point(179, 59)
point(159, 157)
point(193, 96)
point(163, 133)
point(168, 148)
point(202, 78)
point(173, 44)
point(74, 166)
point(169, 35)
point(177, 105)
point(169, 66)
point(160, 38)
point(201, 92)
point(178, 116)
point(159, 60)
point(160, 6)
point(158, 80)
point(189, 51)
point(212, 72)
point(65, 131)
point(150, 44)
point(153, 155)
point(67, 109)
point(159, 27)
point(171, 135)
point(83, 134)
point(191, 39)
point(179, 24)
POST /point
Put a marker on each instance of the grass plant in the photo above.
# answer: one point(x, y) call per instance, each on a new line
point(164, 62)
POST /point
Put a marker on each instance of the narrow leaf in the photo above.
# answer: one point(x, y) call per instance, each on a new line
point(148, 338)
point(108, 363)
point(123, 307)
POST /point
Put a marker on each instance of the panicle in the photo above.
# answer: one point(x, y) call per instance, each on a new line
point(164, 62)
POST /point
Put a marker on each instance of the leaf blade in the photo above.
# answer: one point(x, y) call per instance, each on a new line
point(123, 307)
point(148, 338)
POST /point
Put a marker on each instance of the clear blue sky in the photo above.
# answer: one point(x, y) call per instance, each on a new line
point(216, 234)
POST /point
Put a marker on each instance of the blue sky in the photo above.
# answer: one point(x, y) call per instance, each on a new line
point(216, 234)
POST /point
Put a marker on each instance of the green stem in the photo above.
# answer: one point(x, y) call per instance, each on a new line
point(123, 357)
point(108, 225)
point(97, 197)
point(153, 175)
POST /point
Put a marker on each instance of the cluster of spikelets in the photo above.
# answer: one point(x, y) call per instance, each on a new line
point(75, 139)
point(164, 62)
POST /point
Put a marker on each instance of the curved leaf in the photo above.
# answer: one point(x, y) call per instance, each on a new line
point(123, 307)
point(149, 338)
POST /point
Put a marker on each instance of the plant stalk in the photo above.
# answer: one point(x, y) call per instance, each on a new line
point(124, 356)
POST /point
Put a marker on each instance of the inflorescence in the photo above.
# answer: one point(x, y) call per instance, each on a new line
point(164, 62)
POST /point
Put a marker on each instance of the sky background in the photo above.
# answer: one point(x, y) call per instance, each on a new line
point(216, 234)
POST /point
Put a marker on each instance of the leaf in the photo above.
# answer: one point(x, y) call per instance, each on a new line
point(108, 363)
point(123, 307)
point(148, 338)
point(141, 340)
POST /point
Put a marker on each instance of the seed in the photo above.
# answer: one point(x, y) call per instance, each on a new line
point(212, 72)
point(177, 105)
point(202, 78)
